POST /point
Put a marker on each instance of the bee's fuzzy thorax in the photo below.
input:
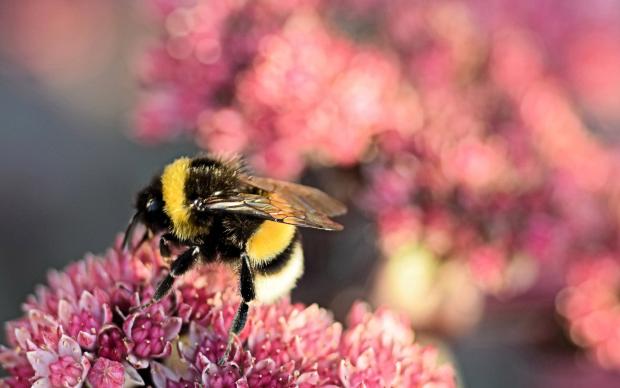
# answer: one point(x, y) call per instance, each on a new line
point(208, 176)
point(173, 181)
point(186, 179)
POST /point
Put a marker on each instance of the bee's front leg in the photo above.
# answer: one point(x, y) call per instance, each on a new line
point(248, 293)
point(181, 265)
point(165, 242)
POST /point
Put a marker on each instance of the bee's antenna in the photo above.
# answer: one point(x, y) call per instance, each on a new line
point(130, 229)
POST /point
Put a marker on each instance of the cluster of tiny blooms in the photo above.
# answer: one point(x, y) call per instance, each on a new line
point(80, 330)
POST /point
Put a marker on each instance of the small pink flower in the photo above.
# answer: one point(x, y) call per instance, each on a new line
point(106, 373)
point(193, 300)
point(205, 347)
point(149, 334)
point(112, 344)
point(84, 320)
point(64, 367)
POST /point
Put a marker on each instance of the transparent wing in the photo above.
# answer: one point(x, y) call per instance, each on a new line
point(284, 202)
point(303, 197)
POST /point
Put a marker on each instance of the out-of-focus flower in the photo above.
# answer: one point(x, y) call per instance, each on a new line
point(193, 70)
point(79, 328)
point(447, 297)
point(289, 82)
point(322, 96)
point(591, 307)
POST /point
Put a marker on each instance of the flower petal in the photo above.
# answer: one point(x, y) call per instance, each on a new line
point(40, 361)
point(107, 314)
point(67, 346)
point(42, 383)
point(138, 363)
point(85, 368)
point(86, 340)
point(89, 303)
point(9, 358)
point(132, 377)
point(161, 374)
point(343, 373)
point(310, 378)
point(23, 338)
point(65, 310)
point(128, 324)
point(165, 351)
point(172, 327)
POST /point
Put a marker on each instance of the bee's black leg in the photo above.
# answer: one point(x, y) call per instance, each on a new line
point(246, 280)
point(164, 244)
point(181, 265)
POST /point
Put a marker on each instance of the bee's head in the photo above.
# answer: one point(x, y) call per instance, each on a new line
point(149, 211)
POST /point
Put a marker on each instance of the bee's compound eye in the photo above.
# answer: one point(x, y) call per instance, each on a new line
point(153, 205)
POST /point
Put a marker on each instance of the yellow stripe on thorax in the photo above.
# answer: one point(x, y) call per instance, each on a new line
point(173, 191)
point(269, 239)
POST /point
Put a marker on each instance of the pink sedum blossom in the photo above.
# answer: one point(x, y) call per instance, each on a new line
point(106, 373)
point(84, 320)
point(76, 331)
point(64, 365)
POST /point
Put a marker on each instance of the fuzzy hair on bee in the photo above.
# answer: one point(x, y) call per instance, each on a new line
point(215, 211)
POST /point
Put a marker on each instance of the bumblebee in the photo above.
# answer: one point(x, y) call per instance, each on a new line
point(215, 211)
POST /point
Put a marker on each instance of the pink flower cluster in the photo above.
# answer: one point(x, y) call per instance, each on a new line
point(79, 329)
point(285, 88)
point(193, 70)
point(496, 173)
